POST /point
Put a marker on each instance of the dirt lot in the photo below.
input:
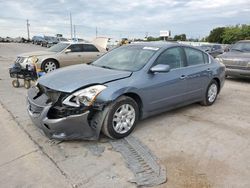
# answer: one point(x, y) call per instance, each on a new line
point(199, 146)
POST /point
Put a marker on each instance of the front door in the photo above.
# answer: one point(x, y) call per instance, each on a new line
point(166, 90)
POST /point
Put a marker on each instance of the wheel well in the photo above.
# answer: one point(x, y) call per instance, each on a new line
point(137, 100)
point(218, 82)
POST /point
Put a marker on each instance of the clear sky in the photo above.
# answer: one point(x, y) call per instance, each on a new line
point(120, 18)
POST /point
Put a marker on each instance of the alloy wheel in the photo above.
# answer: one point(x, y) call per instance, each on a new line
point(212, 92)
point(124, 118)
point(50, 66)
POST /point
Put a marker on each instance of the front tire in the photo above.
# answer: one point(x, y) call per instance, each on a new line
point(211, 93)
point(27, 84)
point(49, 65)
point(121, 118)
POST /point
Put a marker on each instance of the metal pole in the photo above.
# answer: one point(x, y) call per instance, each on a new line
point(74, 31)
point(70, 25)
point(28, 29)
point(96, 32)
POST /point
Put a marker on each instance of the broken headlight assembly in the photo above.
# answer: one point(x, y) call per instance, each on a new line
point(85, 96)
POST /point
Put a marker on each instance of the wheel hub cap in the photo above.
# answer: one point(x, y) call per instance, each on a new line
point(212, 92)
point(50, 66)
point(124, 118)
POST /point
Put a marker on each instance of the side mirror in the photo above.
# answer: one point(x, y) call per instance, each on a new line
point(67, 51)
point(160, 68)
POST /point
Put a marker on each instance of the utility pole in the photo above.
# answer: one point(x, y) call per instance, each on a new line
point(70, 25)
point(28, 29)
point(96, 32)
point(74, 31)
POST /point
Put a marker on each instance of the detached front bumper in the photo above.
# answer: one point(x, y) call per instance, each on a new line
point(66, 128)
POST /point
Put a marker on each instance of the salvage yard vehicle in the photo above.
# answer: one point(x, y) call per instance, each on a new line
point(62, 54)
point(129, 83)
point(37, 40)
point(49, 41)
point(213, 49)
point(237, 60)
point(61, 39)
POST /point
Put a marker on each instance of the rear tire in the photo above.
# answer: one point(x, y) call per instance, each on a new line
point(121, 119)
point(211, 93)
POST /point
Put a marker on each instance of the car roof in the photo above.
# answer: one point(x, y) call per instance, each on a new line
point(163, 44)
point(75, 42)
point(157, 44)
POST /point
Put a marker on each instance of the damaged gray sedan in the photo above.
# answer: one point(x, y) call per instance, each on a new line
point(123, 86)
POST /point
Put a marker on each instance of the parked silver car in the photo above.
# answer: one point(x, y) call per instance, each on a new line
point(237, 60)
point(60, 55)
point(129, 83)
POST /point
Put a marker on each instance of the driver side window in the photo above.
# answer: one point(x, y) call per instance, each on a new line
point(174, 57)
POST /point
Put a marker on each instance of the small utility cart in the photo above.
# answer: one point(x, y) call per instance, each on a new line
point(28, 74)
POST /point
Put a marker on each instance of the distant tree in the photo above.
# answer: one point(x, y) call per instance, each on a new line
point(236, 33)
point(150, 38)
point(181, 37)
point(230, 34)
point(204, 39)
point(216, 35)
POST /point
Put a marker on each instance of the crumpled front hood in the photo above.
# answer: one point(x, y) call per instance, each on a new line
point(235, 55)
point(71, 78)
point(37, 53)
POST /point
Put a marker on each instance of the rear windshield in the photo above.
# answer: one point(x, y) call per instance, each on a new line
point(241, 46)
point(58, 47)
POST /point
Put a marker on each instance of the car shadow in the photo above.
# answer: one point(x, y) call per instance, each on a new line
point(168, 114)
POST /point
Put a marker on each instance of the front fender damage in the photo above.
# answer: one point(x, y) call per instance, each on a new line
point(64, 123)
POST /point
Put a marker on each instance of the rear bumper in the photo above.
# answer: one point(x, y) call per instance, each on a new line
point(237, 72)
point(66, 128)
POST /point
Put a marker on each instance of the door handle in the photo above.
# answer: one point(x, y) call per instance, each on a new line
point(183, 77)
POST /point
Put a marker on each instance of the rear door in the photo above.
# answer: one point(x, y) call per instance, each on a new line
point(90, 53)
point(75, 56)
point(198, 73)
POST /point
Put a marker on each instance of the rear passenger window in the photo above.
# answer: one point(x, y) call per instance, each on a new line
point(194, 57)
point(76, 48)
point(89, 48)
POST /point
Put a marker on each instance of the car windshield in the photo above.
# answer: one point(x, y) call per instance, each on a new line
point(129, 58)
point(58, 47)
point(241, 46)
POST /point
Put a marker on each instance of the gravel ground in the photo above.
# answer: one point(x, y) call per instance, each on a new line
point(199, 146)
